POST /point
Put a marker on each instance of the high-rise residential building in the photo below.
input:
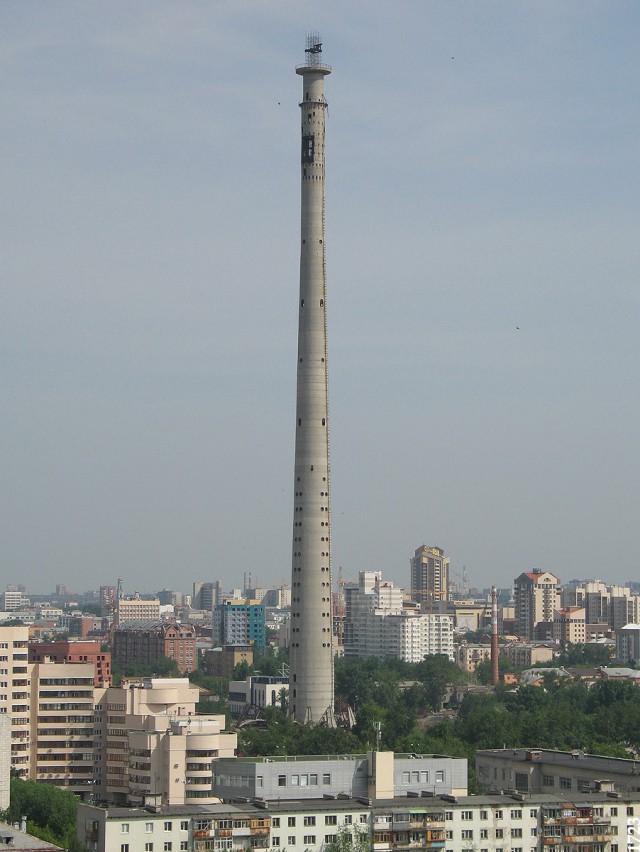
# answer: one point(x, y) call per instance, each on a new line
point(429, 577)
point(628, 644)
point(377, 624)
point(108, 597)
point(311, 649)
point(155, 750)
point(240, 622)
point(74, 651)
point(62, 725)
point(5, 761)
point(145, 644)
point(15, 693)
point(536, 595)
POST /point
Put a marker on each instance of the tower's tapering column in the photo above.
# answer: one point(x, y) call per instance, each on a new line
point(310, 649)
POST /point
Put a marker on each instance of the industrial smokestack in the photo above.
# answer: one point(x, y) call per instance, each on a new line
point(495, 670)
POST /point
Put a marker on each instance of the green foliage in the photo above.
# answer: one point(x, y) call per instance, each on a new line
point(51, 812)
point(589, 654)
point(284, 736)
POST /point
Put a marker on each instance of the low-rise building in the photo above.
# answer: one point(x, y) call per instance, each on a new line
point(469, 657)
point(548, 771)
point(258, 691)
point(220, 662)
point(594, 822)
point(525, 654)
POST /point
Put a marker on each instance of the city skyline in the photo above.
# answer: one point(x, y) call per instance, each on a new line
point(481, 225)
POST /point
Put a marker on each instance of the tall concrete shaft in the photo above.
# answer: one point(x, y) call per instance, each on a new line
point(310, 649)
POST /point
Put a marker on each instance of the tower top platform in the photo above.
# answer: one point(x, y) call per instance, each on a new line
point(313, 57)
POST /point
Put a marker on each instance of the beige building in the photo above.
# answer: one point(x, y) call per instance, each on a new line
point(137, 610)
point(569, 625)
point(156, 751)
point(62, 725)
point(15, 693)
point(469, 657)
point(220, 662)
point(537, 595)
point(430, 576)
point(524, 654)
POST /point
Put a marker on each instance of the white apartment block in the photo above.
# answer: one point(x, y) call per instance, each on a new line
point(155, 749)
point(377, 625)
point(595, 822)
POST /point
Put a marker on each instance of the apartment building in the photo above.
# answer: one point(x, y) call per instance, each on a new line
point(155, 749)
point(524, 654)
point(62, 725)
point(240, 622)
point(596, 822)
point(569, 625)
point(74, 651)
point(378, 625)
point(430, 576)
point(469, 657)
point(628, 643)
point(537, 595)
point(15, 693)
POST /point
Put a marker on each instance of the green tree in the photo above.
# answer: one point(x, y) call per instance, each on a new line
point(348, 839)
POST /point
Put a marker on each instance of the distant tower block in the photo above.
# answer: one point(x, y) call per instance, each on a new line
point(310, 651)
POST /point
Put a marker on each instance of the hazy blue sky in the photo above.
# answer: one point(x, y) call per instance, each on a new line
point(483, 249)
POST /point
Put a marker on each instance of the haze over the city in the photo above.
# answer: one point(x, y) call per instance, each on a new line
point(483, 300)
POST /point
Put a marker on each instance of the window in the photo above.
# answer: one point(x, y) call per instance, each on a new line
point(292, 840)
point(282, 780)
point(148, 847)
point(629, 811)
point(614, 812)
point(363, 817)
point(310, 840)
point(484, 814)
point(516, 832)
point(517, 814)
point(467, 834)
point(565, 783)
point(547, 781)
point(148, 827)
point(406, 777)
point(533, 813)
point(184, 825)
point(467, 814)
point(448, 815)
point(498, 814)
point(449, 835)
point(124, 828)
point(534, 832)
point(309, 820)
point(291, 822)
point(275, 822)
point(484, 833)
point(124, 847)
point(331, 819)
point(348, 819)
point(295, 780)
point(167, 846)
point(440, 775)
point(326, 778)
point(499, 833)
point(168, 826)
point(275, 841)
point(184, 844)
point(330, 838)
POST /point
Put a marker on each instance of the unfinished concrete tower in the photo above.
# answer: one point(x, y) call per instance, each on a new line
point(310, 649)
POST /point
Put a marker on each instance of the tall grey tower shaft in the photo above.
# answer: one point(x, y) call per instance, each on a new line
point(310, 649)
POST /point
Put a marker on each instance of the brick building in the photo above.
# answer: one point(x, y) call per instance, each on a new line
point(144, 644)
point(74, 651)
